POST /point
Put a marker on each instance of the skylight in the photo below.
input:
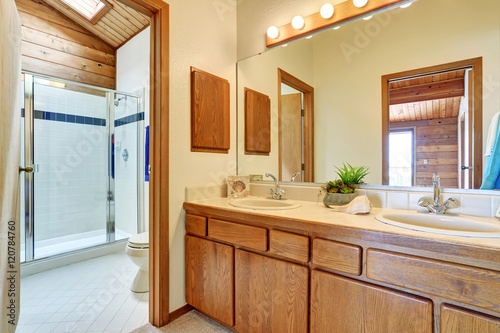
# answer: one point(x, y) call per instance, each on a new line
point(88, 8)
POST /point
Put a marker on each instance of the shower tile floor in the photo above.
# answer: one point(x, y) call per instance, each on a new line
point(89, 296)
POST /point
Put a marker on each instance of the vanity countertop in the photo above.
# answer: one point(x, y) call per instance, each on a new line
point(314, 217)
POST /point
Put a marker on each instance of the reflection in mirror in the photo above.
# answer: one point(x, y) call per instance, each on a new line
point(345, 68)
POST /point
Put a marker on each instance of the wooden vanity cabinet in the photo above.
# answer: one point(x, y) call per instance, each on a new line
point(209, 278)
point(456, 320)
point(271, 295)
point(340, 304)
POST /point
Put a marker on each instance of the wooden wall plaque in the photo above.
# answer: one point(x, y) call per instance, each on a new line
point(209, 112)
point(257, 123)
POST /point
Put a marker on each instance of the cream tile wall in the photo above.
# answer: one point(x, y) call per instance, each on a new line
point(470, 204)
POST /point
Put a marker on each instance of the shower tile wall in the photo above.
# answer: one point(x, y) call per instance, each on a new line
point(71, 150)
point(126, 171)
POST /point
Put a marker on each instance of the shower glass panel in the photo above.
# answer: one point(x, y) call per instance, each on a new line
point(70, 150)
point(68, 136)
point(22, 188)
point(127, 126)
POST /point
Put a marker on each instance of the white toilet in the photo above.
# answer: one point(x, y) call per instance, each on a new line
point(138, 251)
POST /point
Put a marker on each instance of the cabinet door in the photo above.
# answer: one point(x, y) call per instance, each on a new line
point(271, 294)
point(209, 278)
point(340, 304)
point(456, 320)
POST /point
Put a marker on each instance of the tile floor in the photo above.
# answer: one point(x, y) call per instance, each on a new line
point(89, 296)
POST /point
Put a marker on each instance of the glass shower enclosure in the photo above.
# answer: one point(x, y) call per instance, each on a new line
point(85, 146)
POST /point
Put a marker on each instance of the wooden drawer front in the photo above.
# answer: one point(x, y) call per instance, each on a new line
point(196, 225)
point(240, 234)
point(461, 320)
point(337, 256)
point(339, 304)
point(210, 278)
point(289, 245)
point(471, 285)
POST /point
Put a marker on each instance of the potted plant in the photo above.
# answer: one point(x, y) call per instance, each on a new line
point(343, 190)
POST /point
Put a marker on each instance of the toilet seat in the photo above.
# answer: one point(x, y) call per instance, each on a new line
point(139, 241)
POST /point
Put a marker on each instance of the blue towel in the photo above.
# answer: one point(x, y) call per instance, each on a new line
point(491, 177)
point(146, 153)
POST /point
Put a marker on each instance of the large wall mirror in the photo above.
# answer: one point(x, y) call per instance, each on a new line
point(346, 66)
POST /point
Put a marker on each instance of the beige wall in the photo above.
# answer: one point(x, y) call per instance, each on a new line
point(203, 36)
point(260, 73)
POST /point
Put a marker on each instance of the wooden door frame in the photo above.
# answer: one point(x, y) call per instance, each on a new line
point(308, 92)
point(158, 11)
point(476, 119)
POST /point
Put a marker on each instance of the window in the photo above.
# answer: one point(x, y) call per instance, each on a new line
point(401, 158)
point(92, 10)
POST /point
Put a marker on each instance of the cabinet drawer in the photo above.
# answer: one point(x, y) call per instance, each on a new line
point(337, 256)
point(289, 245)
point(470, 285)
point(240, 234)
point(196, 225)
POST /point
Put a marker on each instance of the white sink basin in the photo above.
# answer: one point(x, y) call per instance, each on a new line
point(261, 203)
point(447, 224)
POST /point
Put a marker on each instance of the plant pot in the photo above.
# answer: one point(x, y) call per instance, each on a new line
point(338, 199)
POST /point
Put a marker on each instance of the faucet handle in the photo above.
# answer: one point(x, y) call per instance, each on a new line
point(423, 202)
point(451, 203)
point(270, 191)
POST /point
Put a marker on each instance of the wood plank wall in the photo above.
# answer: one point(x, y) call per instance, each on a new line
point(436, 142)
point(54, 45)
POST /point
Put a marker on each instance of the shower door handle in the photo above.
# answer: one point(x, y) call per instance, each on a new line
point(29, 169)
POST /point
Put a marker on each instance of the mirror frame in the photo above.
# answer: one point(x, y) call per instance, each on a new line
point(477, 117)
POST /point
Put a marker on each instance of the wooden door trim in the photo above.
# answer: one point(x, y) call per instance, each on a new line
point(159, 152)
point(308, 91)
point(476, 119)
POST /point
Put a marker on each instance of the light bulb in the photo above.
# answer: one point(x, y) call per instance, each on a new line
point(360, 3)
point(336, 28)
point(309, 37)
point(273, 32)
point(367, 18)
point(298, 22)
point(326, 11)
point(406, 5)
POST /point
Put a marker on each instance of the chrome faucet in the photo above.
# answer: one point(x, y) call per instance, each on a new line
point(436, 207)
point(295, 176)
point(277, 192)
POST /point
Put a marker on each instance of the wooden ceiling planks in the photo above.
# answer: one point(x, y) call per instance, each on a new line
point(116, 27)
point(433, 106)
point(425, 110)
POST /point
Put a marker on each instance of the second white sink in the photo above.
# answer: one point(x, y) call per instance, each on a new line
point(262, 203)
point(442, 224)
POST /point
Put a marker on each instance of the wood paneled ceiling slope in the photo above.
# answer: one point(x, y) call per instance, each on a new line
point(429, 97)
point(58, 41)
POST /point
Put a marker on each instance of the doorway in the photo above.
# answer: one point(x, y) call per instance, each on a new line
point(296, 128)
point(443, 104)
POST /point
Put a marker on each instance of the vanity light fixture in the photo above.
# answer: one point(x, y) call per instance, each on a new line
point(273, 32)
point(359, 3)
point(406, 5)
point(367, 17)
point(298, 22)
point(327, 11)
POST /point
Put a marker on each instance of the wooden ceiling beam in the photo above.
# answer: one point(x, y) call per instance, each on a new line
point(426, 92)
